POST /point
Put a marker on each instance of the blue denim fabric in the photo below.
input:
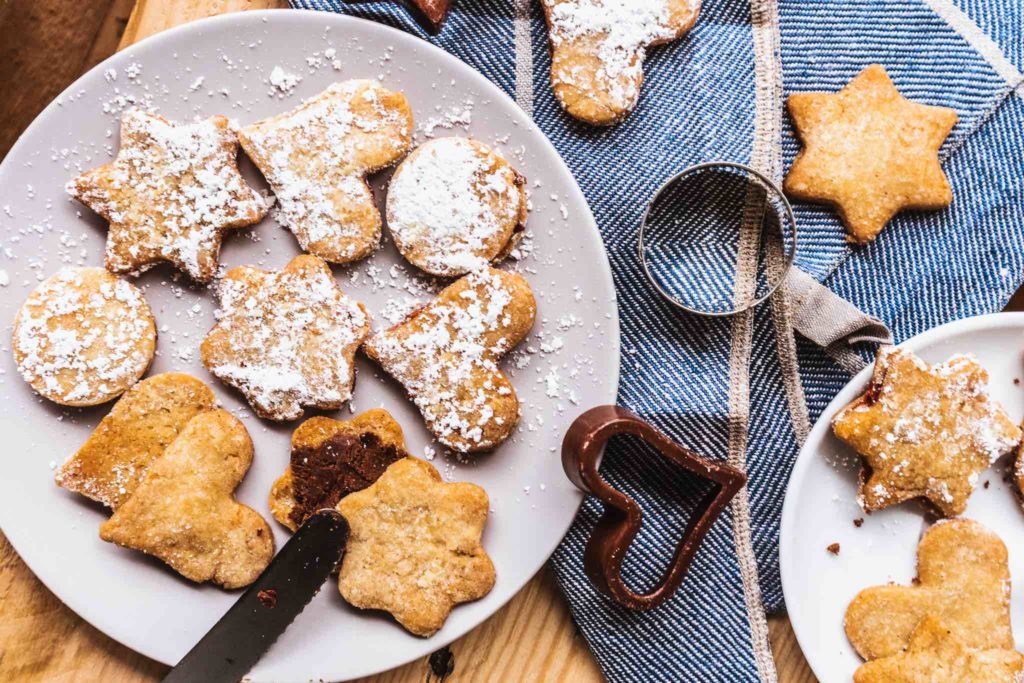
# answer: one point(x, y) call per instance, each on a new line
point(923, 270)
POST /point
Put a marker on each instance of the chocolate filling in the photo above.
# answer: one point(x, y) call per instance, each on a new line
point(343, 464)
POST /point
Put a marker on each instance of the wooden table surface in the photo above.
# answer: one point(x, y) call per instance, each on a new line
point(44, 45)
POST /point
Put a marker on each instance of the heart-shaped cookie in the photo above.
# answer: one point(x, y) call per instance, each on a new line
point(963, 579)
point(446, 356)
point(114, 459)
point(184, 511)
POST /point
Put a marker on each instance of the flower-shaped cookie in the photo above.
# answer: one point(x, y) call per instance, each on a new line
point(414, 546)
point(317, 156)
point(286, 339)
point(170, 194)
point(925, 432)
point(598, 49)
point(869, 152)
point(184, 511)
point(963, 579)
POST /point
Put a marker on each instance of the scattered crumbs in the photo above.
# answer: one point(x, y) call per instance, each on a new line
point(859, 522)
point(834, 548)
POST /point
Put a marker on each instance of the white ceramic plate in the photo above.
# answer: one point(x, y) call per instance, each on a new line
point(224, 66)
point(821, 505)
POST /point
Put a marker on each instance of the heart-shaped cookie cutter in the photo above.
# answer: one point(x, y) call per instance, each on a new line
point(620, 523)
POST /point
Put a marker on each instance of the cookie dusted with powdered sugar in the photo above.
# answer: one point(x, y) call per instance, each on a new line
point(598, 49)
point(170, 194)
point(317, 156)
point(925, 431)
point(83, 337)
point(286, 340)
point(454, 206)
point(446, 356)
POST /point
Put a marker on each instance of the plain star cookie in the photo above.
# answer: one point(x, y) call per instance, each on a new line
point(869, 153)
point(331, 459)
point(184, 510)
point(446, 356)
point(963, 579)
point(286, 340)
point(317, 156)
point(138, 429)
point(170, 194)
point(925, 432)
point(935, 655)
point(83, 337)
point(414, 546)
point(454, 206)
point(598, 49)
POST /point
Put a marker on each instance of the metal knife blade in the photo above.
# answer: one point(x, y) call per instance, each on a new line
point(236, 642)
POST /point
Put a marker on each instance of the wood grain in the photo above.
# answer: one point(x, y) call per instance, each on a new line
point(530, 639)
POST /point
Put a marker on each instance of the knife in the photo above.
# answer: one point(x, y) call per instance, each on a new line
point(235, 643)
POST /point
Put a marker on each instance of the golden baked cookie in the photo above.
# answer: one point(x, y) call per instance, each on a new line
point(414, 546)
point(963, 580)
point(598, 49)
point(184, 511)
point(170, 195)
point(287, 339)
point(925, 432)
point(114, 459)
point(935, 655)
point(317, 156)
point(331, 459)
point(446, 356)
point(869, 153)
point(454, 206)
point(83, 337)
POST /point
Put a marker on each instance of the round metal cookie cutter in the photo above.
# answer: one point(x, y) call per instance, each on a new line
point(760, 199)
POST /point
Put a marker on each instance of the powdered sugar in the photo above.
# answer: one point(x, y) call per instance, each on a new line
point(83, 337)
point(170, 194)
point(287, 339)
point(620, 30)
point(316, 157)
point(453, 206)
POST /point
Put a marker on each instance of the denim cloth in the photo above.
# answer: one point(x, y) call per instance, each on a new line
point(924, 269)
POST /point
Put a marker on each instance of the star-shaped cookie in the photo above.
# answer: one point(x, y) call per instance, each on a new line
point(286, 339)
point(935, 655)
point(925, 432)
point(414, 546)
point(869, 153)
point(598, 49)
point(170, 194)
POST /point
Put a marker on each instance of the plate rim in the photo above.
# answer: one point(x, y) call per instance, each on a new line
point(788, 525)
point(96, 618)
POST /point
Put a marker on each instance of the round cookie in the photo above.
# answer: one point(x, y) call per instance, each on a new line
point(83, 337)
point(454, 205)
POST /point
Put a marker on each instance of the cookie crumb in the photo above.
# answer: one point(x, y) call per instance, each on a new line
point(834, 548)
point(859, 522)
point(268, 597)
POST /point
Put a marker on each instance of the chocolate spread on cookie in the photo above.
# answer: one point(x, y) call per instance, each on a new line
point(343, 464)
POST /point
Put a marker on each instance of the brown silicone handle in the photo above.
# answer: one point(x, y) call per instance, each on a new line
point(620, 523)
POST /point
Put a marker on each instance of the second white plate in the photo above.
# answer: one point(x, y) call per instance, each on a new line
point(821, 505)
